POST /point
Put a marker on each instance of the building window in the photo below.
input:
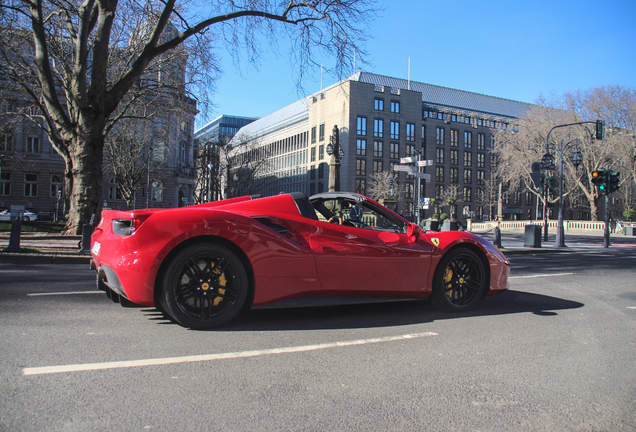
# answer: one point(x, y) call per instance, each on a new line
point(361, 167)
point(159, 151)
point(361, 186)
point(313, 154)
point(377, 166)
point(439, 191)
point(379, 104)
point(408, 189)
point(454, 138)
point(157, 191)
point(468, 159)
point(410, 132)
point(481, 142)
point(410, 150)
point(378, 149)
point(468, 194)
point(113, 189)
point(5, 184)
point(378, 128)
point(453, 157)
point(423, 135)
point(312, 189)
point(439, 174)
point(184, 152)
point(394, 151)
point(468, 140)
point(361, 128)
point(313, 133)
point(395, 107)
point(439, 136)
point(32, 144)
point(454, 175)
point(57, 185)
point(361, 147)
point(321, 152)
point(321, 187)
point(395, 130)
point(30, 185)
point(321, 132)
point(468, 176)
point(321, 171)
point(439, 155)
point(481, 179)
point(516, 198)
point(6, 142)
point(481, 160)
point(312, 173)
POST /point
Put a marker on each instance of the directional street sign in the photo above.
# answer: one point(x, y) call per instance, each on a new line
point(407, 168)
point(408, 160)
point(425, 163)
point(425, 176)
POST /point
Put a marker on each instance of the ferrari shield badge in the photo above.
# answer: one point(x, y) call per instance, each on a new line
point(435, 241)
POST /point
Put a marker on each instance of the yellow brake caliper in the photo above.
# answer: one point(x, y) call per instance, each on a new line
point(448, 275)
point(222, 282)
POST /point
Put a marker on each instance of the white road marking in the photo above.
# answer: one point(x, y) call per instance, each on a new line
point(65, 293)
point(541, 275)
point(209, 357)
point(631, 307)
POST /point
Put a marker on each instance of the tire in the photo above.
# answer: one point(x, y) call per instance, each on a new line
point(26, 219)
point(460, 280)
point(204, 286)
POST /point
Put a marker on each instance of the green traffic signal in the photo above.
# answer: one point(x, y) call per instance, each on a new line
point(599, 179)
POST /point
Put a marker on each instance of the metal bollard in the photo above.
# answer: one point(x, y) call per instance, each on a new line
point(87, 232)
point(497, 240)
point(14, 239)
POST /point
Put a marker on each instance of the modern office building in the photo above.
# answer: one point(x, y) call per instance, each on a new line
point(382, 120)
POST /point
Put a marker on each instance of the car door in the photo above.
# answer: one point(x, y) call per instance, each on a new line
point(350, 259)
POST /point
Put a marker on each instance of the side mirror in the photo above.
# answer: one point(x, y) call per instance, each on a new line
point(413, 231)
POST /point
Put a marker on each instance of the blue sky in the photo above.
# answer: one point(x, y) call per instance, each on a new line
point(511, 49)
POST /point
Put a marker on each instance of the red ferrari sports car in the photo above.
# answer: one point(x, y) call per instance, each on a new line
point(202, 265)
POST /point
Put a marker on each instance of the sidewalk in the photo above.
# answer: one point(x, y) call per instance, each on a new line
point(44, 248)
point(59, 249)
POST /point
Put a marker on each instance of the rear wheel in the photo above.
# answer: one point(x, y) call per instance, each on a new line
point(205, 286)
point(460, 280)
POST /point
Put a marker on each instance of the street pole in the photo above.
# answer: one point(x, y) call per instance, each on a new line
point(417, 191)
point(545, 209)
point(606, 231)
point(560, 235)
point(334, 162)
point(210, 166)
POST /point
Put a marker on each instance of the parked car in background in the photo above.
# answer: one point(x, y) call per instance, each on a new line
point(27, 216)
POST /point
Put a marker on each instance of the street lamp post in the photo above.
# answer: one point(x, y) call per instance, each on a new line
point(547, 163)
point(335, 151)
point(210, 166)
point(576, 160)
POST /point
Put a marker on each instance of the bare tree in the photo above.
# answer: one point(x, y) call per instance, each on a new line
point(381, 188)
point(85, 63)
point(246, 169)
point(132, 155)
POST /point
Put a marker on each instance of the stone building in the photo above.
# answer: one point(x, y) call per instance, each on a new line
point(381, 121)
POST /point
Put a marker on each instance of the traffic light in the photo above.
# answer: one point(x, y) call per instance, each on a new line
point(599, 179)
point(391, 182)
point(600, 126)
point(615, 179)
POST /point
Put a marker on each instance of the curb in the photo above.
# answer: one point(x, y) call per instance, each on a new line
point(23, 258)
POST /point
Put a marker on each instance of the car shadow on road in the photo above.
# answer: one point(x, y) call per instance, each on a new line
point(391, 313)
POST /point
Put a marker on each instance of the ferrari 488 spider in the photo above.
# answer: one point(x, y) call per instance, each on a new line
point(202, 265)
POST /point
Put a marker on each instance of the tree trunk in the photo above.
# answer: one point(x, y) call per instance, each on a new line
point(86, 196)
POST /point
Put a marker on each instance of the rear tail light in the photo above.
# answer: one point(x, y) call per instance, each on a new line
point(127, 227)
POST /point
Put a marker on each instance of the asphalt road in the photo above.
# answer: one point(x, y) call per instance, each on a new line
point(555, 353)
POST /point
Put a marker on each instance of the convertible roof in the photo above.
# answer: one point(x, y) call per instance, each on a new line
point(334, 195)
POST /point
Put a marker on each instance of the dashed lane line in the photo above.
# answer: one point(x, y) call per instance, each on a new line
point(64, 293)
point(210, 357)
point(540, 275)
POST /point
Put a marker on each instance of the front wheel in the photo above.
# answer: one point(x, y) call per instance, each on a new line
point(205, 286)
point(460, 280)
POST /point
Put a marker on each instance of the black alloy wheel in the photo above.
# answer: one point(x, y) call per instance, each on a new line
point(460, 280)
point(205, 286)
